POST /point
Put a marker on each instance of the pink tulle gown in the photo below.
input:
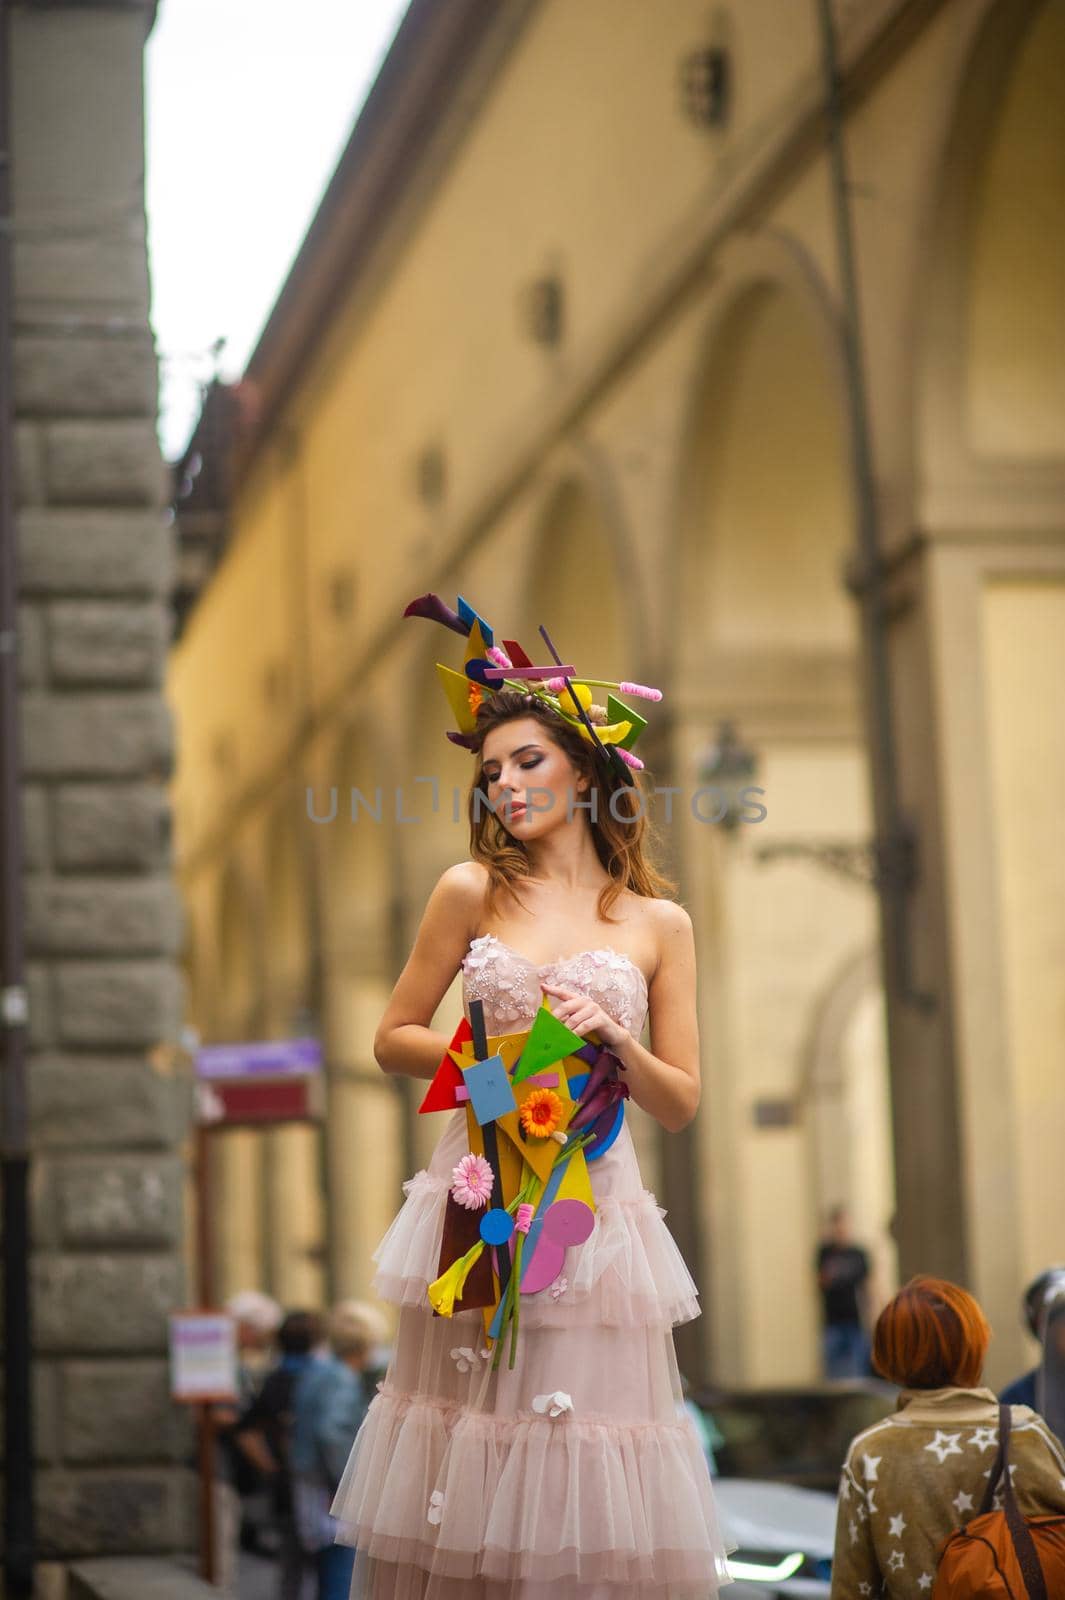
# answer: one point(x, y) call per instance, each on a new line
point(456, 1487)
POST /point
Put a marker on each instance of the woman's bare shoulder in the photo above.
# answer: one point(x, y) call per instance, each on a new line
point(461, 888)
point(667, 923)
point(668, 916)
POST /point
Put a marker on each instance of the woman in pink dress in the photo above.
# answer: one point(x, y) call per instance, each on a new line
point(575, 1473)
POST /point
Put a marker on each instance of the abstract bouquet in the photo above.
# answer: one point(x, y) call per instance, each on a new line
point(539, 1106)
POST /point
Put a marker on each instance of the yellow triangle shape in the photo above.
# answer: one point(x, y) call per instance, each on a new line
point(457, 688)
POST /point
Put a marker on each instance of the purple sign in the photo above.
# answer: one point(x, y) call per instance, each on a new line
point(268, 1058)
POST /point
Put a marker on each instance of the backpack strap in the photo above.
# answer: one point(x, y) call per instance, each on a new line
point(1020, 1533)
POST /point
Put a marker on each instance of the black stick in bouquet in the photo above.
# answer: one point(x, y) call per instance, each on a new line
point(488, 1134)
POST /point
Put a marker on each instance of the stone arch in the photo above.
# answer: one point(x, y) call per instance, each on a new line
point(845, 1106)
point(770, 313)
point(991, 340)
point(764, 492)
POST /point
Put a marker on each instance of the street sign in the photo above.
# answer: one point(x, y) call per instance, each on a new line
point(203, 1357)
point(259, 1083)
point(269, 1058)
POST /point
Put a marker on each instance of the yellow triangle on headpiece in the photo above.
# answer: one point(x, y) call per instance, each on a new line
point(457, 688)
point(476, 648)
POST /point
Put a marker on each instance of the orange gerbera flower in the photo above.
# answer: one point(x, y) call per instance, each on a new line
point(541, 1113)
point(476, 695)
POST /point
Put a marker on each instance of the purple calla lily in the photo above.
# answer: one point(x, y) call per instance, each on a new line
point(600, 1095)
point(432, 607)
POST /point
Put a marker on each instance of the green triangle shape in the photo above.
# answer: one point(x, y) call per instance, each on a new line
point(549, 1041)
point(618, 711)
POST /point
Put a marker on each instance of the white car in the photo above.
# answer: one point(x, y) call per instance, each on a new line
point(784, 1537)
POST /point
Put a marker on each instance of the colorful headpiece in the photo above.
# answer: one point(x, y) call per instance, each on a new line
point(612, 729)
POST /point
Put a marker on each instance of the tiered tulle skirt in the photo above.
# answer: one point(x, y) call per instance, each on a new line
point(457, 1489)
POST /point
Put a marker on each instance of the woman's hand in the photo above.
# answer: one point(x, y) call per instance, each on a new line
point(583, 1016)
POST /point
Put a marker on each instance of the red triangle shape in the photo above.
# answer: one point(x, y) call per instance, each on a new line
point(440, 1096)
point(517, 655)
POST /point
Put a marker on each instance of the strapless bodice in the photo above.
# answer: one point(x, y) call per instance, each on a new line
point(508, 984)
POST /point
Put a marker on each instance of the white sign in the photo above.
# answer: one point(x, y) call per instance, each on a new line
point(203, 1356)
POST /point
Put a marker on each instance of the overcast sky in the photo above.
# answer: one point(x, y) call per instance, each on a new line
point(249, 105)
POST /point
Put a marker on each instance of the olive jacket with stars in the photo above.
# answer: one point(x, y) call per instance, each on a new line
point(910, 1480)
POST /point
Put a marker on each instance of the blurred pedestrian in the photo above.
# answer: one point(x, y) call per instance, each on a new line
point(843, 1278)
point(1043, 1388)
point(264, 1434)
point(258, 1318)
point(331, 1399)
point(913, 1478)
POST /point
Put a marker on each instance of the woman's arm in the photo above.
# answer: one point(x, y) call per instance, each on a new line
point(663, 1081)
point(404, 1043)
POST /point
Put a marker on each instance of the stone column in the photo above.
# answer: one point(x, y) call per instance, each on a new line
point(103, 920)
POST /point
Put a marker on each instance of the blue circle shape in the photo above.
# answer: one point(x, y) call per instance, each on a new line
point(497, 1226)
point(598, 1147)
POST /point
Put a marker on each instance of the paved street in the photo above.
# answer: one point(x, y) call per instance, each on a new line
point(258, 1579)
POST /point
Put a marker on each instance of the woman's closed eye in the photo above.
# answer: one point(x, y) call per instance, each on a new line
point(526, 766)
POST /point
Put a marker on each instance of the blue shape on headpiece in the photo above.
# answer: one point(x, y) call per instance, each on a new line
point(470, 616)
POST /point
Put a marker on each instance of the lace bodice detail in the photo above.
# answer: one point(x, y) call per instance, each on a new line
point(508, 984)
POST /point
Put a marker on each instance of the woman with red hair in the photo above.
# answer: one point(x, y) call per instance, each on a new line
point(908, 1482)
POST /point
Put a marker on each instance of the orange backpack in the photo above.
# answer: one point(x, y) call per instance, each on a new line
point(1001, 1555)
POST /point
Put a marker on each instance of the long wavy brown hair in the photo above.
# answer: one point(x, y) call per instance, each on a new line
point(621, 841)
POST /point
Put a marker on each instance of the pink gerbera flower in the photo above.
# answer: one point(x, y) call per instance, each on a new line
point(472, 1182)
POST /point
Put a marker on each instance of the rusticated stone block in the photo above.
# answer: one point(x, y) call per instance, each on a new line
point(103, 374)
point(107, 642)
point(111, 825)
point(100, 917)
point(94, 552)
point(44, 1229)
point(84, 1101)
point(117, 1202)
point(29, 464)
point(45, 1384)
point(34, 827)
point(88, 735)
point(107, 1511)
point(41, 1003)
point(104, 463)
point(119, 1410)
point(104, 1303)
point(31, 646)
point(117, 1002)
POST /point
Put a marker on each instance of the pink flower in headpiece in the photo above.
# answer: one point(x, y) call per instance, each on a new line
point(472, 1182)
point(499, 657)
point(524, 1218)
point(641, 690)
point(629, 759)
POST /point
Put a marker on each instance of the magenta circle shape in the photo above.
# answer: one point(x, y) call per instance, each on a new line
point(569, 1221)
